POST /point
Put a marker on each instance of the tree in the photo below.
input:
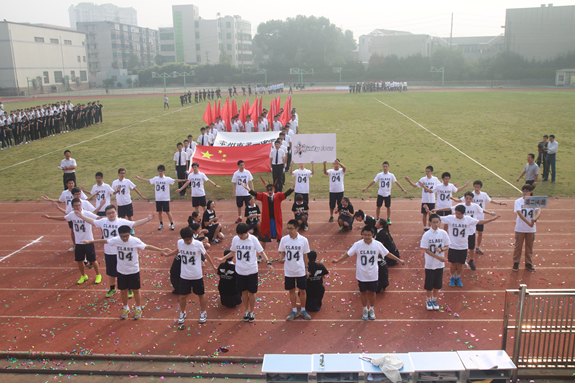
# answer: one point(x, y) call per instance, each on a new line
point(159, 59)
point(453, 62)
point(129, 82)
point(136, 83)
point(225, 59)
point(133, 61)
point(108, 82)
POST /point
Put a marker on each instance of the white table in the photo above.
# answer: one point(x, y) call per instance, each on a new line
point(474, 371)
point(406, 371)
point(437, 362)
point(338, 366)
point(298, 366)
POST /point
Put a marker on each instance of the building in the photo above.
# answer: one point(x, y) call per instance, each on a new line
point(565, 77)
point(167, 45)
point(403, 46)
point(541, 33)
point(41, 58)
point(475, 47)
point(89, 12)
point(113, 46)
point(365, 42)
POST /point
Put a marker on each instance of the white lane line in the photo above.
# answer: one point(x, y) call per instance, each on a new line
point(94, 138)
point(441, 139)
point(455, 291)
point(31, 243)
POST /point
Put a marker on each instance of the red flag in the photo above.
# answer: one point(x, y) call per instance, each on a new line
point(242, 115)
point(222, 160)
point(226, 115)
point(208, 114)
point(234, 108)
point(261, 107)
point(272, 111)
point(214, 112)
point(219, 110)
point(254, 112)
point(286, 115)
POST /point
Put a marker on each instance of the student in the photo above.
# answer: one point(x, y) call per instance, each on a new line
point(101, 191)
point(435, 243)
point(315, 288)
point(191, 275)
point(459, 228)
point(531, 171)
point(204, 138)
point(444, 192)
point(181, 161)
point(427, 185)
point(176, 267)
point(68, 166)
point(277, 164)
point(336, 187)
point(368, 220)
point(385, 180)
point(241, 195)
point(345, 219)
point(253, 216)
point(229, 295)
point(82, 233)
point(302, 177)
point(367, 251)
point(128, 266)
point(525, 229)
point(293, 250)
point(300, 210)
point(166, 105)
point(162, 193)
point(383, 235)
point(550, 158)
point(245, 248)
point(210, 223)
point(122, 187)
point(196, 180)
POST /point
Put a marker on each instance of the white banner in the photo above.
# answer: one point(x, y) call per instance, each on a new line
point(245, 139)
point(313, 147)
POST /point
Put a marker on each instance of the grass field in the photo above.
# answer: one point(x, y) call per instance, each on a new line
point(497, 129)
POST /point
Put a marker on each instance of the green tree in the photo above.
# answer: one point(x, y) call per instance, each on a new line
point(129, 82)
point(159, 59)
point(133, 61)
point(225, 58)
point(108, 82)
point(453, 62)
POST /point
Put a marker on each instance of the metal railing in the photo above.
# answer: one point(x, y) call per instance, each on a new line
point(542, 324)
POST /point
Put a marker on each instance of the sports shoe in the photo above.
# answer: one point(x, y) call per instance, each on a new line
point(172, 226)
point(246, 317)
point(82, 279)
point(529, 267)
point(110, 293)
point(435, 305)
point(72, 248)
point(389, 221)
point(239, 220)
point(471, 265)
point(516, 267)
point(137, 314)
point(125, 313)
point(252, 318)
point(292, 316)
point(365, 315)
point(331, 219)
point(452, 282)
point(203, 317)
point(371, 314)
point(479, 251)
point(182, 318)
point(429, 306)
point(98, 279)
point(425, 229)
point(304, 314)
point(132, 232)
point(341, 229)
point(161, 226)
point(215, 241)
point(130, 293)
point(305, 228)
point(458, 282)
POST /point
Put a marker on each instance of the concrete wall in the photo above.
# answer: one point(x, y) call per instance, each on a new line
point(401, 46)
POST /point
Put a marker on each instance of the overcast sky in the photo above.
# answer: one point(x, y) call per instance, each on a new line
point(471, 18)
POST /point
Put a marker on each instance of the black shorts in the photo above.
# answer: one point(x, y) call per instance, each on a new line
point(195, 285)
point(457, 256)
point(367, 286)
point(247, 282)
point(101, 214)
point(125, 211)
point(433, 279)
point(292, 282)
point(129, 281)
point(305, 196)
point(87, 251)
point(243, 200)
point(211, 231)
point(346, 218)
point(471, 242)
point(70, 224)
point(199, 201)
point(333, 198)
point(111, 265)
point(444, 213)
point(252, 223)
point(298, 217)
point(478, 227)
point(431, 206)
point(163, 206)
point(381, 199)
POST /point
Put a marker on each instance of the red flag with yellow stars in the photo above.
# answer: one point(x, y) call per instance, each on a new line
point(222, 160)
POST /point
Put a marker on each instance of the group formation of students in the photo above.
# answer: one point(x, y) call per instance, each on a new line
point(22, 126)
point(378, 86)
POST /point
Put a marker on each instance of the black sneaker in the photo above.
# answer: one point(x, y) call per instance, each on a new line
point(471, 265)
point(331, 219)
point(246, 317)
point(516, 267)
point(252, 318)
point(529, 267)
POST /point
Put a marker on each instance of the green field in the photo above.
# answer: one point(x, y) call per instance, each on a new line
point(497, 129)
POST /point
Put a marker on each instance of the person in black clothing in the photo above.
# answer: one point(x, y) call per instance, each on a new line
point(229, 295)
point(345, 219)
point(189, 97)
point(194, 221)
point(210, 222)
point(315, 288)
point(384, 236)
point(253, 215)
point(175, 271)
point(196, 96)
point(368, 220)
point(300, 210)
point(243, 90)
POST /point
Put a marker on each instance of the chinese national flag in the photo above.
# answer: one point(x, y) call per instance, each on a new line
point(208, 114)
point(222, 160)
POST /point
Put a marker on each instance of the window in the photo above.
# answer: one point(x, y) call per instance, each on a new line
point(54, 41)
point(115, 78)
point(197, 47)
point(167, 48)
point(229, 47)
point(228, 24)
point(58, 76)
point(199, 58)
point(228, 36)
point(79, 59)
point(167, 36)
point(220, 35)
point(197, 24)
point(67, 42)
point(83, 43)
point(83, 75)
point(73, 75)
point(39, 39)
point(197, 35)
point(84, 58)
point(46, 78)
point(221, 46)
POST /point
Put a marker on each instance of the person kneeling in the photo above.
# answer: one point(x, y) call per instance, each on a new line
point(315, 288)
point(229, 295)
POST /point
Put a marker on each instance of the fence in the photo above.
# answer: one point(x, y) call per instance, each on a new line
point(541, 323)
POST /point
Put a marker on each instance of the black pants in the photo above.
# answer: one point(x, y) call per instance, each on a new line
point(181, 172)
point(278, 173)
point(175, 271)
point(382, 278)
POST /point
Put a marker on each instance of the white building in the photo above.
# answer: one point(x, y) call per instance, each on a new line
point(41, 58)
point(88, 12)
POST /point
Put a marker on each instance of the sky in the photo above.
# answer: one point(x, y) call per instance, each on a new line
point(470, 18)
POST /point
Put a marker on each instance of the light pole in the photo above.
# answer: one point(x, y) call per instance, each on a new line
point(164, 76)
point(435, 70)
point(28, 80)
point(338, 70)
point(184, 74)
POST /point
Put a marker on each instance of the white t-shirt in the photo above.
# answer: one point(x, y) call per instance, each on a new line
point(482, 199)
point(249, 126)
point(197, 184)
point(104, 193)
point(261, 127)
point(110, 230)
point(335, 180)
point(443, 195)
point(82, 229)
point(367, 255)
point(432, 240)
point(191, 259)
point(295, 249)
point(162, 187)
point(246, 254)
point(302, 180)
point(127, 254)
point(67, 197)
point(123, 196)
point(430, 183)
point(459, 230)
point(183, 160)
point(528, 212)
point(240, 177)
point(67, 163)
point(385, 181)
point(86, 205)
point(204, 140)
point(473, 210)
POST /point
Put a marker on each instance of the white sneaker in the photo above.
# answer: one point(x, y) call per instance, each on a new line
point(365, 315)
point(182, 318)
point(203, 317)
point(161, 226)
